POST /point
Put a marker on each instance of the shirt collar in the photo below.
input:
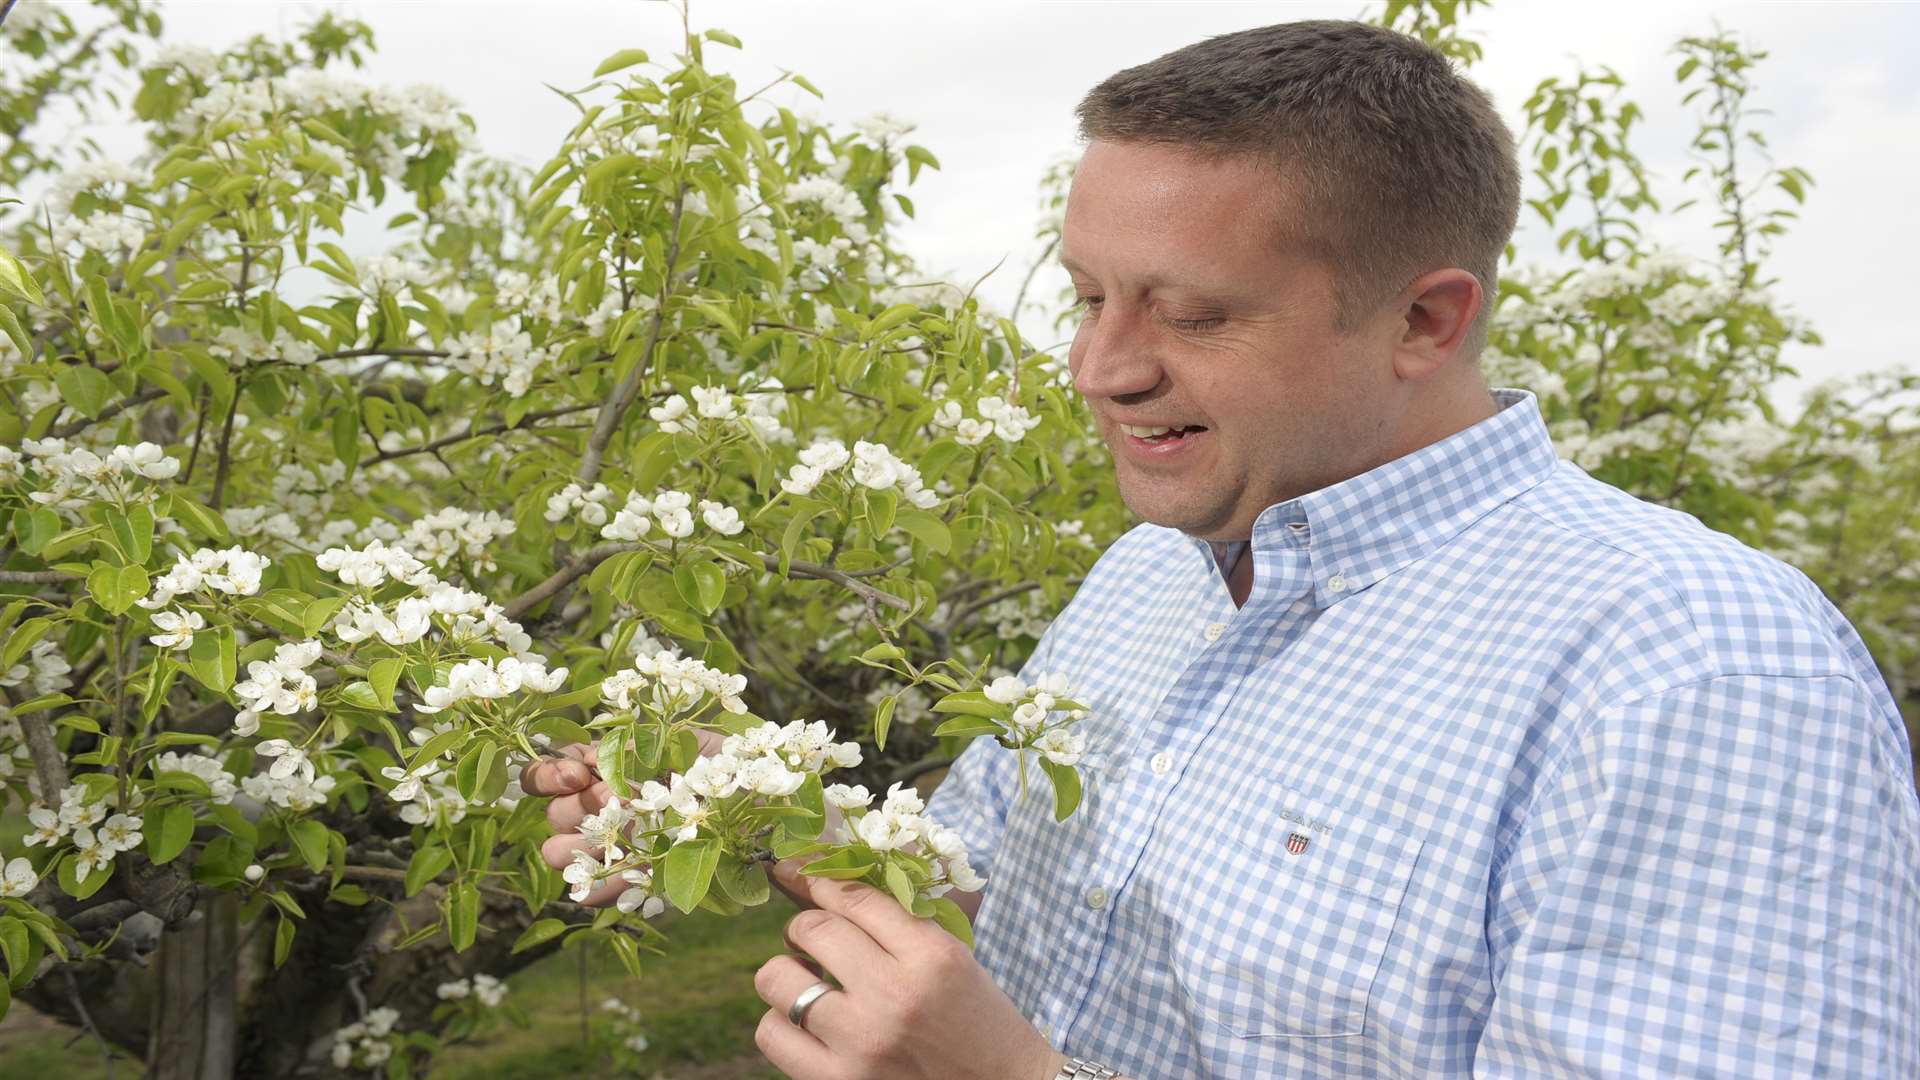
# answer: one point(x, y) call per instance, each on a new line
point(1365, 528)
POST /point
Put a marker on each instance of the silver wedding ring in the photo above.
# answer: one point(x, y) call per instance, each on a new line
point(797, 1012)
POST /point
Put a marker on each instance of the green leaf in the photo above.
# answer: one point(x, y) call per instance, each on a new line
point(967, 727)
point(283, 940)
point(926, 528)
point(10, 325)
point(689, 869)
point(1066, 788)
point(77, 888)
point(883, 719)
point(167, 830)
point(83, 389)
point(361, 696)
point(491, 780)
point(117, 587)
point(539, 933)
point(35, 529)
point(843, 865)
point(463, 915)
point(899, 885)
point(701, 585)
point(23, 638)
point(438, 745)
point(198, 519)
point(953, 920)
point(744, 883)
point(211, 660)
point(383, 677)
point(625, 58)
point(310, 840)
point(427, 862)
point(722, 37)
point(133, 530)
point(15, 279)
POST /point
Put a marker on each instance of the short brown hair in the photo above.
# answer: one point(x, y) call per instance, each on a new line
point(1398, 164)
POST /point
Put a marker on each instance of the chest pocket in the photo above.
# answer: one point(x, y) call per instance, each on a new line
point(1303, 901)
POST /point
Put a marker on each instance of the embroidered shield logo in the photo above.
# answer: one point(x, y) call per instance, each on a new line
point(1296, 843)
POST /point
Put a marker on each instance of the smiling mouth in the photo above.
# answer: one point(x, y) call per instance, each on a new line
point(1159, 436)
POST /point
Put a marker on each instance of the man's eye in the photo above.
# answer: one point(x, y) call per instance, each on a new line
point(1086, 302)
point(1195, 324)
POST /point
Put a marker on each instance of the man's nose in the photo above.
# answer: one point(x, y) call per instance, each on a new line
point(1116, 357)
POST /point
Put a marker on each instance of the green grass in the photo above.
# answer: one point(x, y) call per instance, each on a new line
point(697, 1005)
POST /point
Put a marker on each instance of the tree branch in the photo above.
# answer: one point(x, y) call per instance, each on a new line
point(34, 577)
point(628, 388)
point(473, 433)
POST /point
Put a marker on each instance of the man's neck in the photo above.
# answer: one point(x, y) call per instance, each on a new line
point(1237, 566)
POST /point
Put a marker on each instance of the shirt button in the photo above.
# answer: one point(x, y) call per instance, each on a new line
point(1162, 762)
point(1336, 583)
point(1045, 1031)
point(1214, 630)
point(1096, 898)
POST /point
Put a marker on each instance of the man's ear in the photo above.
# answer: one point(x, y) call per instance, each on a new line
point(1440, 308)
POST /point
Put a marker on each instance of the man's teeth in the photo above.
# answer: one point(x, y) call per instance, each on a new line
point(1145, 432)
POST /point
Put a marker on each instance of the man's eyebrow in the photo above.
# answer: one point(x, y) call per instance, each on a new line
point(1069, 263)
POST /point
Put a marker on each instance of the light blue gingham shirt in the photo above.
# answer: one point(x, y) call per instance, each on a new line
point(1499, 772)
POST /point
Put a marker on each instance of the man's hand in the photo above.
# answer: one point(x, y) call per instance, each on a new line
point(913, 1003)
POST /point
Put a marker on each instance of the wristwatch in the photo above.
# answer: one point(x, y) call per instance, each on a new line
point(1076, 1069)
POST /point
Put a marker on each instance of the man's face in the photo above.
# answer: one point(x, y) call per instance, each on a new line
point(1197, 321)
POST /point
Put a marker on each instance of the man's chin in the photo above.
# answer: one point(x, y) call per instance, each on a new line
point(1188, 517)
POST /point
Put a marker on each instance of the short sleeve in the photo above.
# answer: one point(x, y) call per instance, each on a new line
point(1720, 879)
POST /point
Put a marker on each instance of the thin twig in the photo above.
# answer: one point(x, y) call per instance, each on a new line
point(86, 1019)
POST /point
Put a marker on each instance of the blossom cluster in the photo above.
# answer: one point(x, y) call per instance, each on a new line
point(486, 989)
point(997, 417)
point(667, 685)
point(70, 477)
point(874, 466)
point(1032, 723)
point(74, 823)
point(670, 509)
point(364, 1043)
point(426, 791)
point(760, 407)
point(234, 571)
point(770, 760)
point(500, 352)
point(589, 504)
point(280, 685)
point(487, 679)
point(900, 824)
point(207, 768)
point(243, 345)
point(451, 532)
point(43, 670)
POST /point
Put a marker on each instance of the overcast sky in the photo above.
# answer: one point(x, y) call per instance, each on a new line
point(992, 85)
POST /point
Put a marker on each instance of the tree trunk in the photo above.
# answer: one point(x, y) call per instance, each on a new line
point(194, 1019)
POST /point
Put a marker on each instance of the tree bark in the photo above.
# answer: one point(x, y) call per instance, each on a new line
point(192, 1036)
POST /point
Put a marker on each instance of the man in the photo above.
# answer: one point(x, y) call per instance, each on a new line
point(1417, 752)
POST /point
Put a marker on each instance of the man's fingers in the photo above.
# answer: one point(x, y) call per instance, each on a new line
point(798, 887)
point(710, 742)
point(566, 812)
point(555, 776)
point(791, 1050)
point(843, 949)
point(877, 916)
point(563, 775)
point(558, 851)
point(779, 983)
